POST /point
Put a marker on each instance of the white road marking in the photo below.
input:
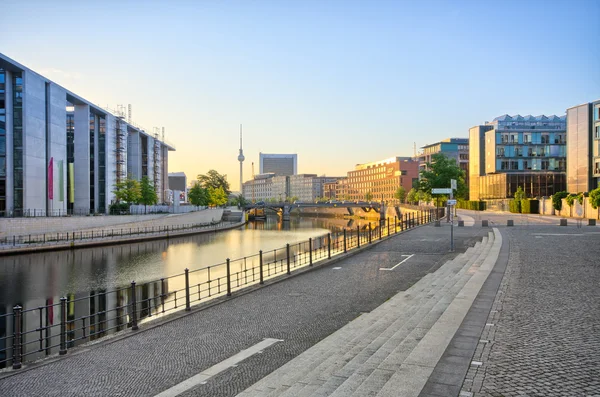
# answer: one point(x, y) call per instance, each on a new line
point(337, 268)
point(559, 234)
point(398, 264)
point(216, 369)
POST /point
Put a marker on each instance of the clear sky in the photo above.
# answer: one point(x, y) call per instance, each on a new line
point(337, 82)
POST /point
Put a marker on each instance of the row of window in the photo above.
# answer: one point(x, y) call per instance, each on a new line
point(533, 165)
point(531, 151)
point(531, 137)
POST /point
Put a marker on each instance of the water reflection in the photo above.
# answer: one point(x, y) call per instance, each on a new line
point(85, 275)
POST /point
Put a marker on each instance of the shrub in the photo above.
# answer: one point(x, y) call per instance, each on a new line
point(471, 205)
point(557, 200)
point(514, 206)
point(570, 199)
point(580, 198)
point(118, 209)
point(525, 206)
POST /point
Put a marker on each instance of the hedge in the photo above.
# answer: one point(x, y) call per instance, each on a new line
point(471, 205)
point(515, 206)
point(529, 206)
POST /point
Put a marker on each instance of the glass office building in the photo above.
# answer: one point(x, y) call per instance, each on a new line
point(583, 147)
point(518, 151)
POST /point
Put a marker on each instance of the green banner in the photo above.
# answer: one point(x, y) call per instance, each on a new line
point(72, 183)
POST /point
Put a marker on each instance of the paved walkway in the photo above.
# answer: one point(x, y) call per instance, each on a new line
point(402, 318)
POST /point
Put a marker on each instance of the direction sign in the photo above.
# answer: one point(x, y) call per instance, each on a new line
point(451, 202)
point(453, 184)
point(441, 191)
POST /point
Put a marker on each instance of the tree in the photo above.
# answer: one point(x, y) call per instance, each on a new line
point(520, 194)
point(197, 195)
point(400, 194)
point(412, 196)
point(147, 193)
point(128, 191)
point(216, 196)
point(240, 201)
point(369, 196)
point(595, 199)
point(215, 180)
point(423, 196)
point(438, 174)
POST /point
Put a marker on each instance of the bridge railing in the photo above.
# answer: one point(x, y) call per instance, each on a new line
point(78, 318)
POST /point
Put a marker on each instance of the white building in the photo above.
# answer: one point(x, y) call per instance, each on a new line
point(60, 153)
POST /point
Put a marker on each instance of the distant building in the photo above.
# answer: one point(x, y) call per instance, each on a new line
point(278, 164)
point(583, 147)
point(308, 187)
point(260, 188)
point(381, 179)
point(517, 151)
point(178, 181)
point(453, 148)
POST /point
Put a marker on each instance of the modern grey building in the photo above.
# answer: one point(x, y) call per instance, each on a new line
point(517, 151)
point(60, 153)
point(583, 147)
point(278, 164)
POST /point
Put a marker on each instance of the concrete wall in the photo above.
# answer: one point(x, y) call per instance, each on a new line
point(150, 159)
point(57, 145)
point(134, 155)
point(82, 159)
point(34, 142)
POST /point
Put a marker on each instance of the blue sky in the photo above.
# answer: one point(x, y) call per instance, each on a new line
point(337, 82)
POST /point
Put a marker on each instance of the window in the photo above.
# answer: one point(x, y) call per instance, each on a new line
point(527, 137)
point(526, 164)
point(500, 151)
point(518, 151)
point(545, 138)
point(514, 165)
point(545, 164)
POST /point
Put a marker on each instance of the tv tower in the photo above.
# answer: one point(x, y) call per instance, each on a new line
point(241, 159)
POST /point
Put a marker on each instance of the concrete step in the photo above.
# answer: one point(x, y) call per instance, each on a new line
point(399, 340)
point(405, 310)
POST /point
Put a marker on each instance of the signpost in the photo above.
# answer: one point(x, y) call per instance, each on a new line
point(450, 207)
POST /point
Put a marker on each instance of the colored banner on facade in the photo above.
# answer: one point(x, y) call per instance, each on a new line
point(71, 183)
point(61, 182)
point(51, 179)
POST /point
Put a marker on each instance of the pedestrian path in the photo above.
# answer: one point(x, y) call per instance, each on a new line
point(392, 350)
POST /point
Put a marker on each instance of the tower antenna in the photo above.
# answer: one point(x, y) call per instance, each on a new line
point(241, 159)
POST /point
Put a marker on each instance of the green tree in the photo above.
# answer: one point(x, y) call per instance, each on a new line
point(369, 196)
point(216, 196)
point(197, 195)
point(147, 193)
point(423, 196)
point(412, 196)
point(520, 194)
point(215, 180)
point(595, 200)
point(400, 194)
point(438, 174)
point(239, 200)
point(128, 191)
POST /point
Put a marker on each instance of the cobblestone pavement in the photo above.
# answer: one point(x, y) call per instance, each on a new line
point(542, 336)
point(301, 311)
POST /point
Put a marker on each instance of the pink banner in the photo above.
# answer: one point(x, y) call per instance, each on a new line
point(51, 179)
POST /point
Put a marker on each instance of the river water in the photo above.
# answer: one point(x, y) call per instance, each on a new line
point(33, 280)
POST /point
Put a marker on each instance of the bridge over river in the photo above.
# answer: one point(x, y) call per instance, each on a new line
point(286, 208)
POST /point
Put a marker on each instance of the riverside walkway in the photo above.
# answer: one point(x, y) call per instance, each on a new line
point(402, 318)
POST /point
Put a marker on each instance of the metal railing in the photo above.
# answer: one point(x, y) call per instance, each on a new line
point(56, 327)
point(57, 238)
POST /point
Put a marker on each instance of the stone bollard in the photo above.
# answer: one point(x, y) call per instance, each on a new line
point(461, 223)
point(484, 223)
point(591, 222)
point(510, 222)
point(437, 223)
point(563, 222)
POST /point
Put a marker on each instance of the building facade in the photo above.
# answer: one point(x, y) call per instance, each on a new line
point(62, 154)
point(380, 180)
point(453, 148)
point(583, 147)
point(278, 164)
point(517, 151)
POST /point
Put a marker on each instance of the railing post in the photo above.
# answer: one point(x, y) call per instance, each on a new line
point(395, 224)
point(287, 254)
point(344, 240)
point(358, 236)
point(134, 325)
point(388, 225)
point(370, 234)
point(187, 290)
point(380, 227)
point(17, 318)
point(329, 245)
point(228, 277)
point(260, 258)
point(310, 251)
point(63, 326)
